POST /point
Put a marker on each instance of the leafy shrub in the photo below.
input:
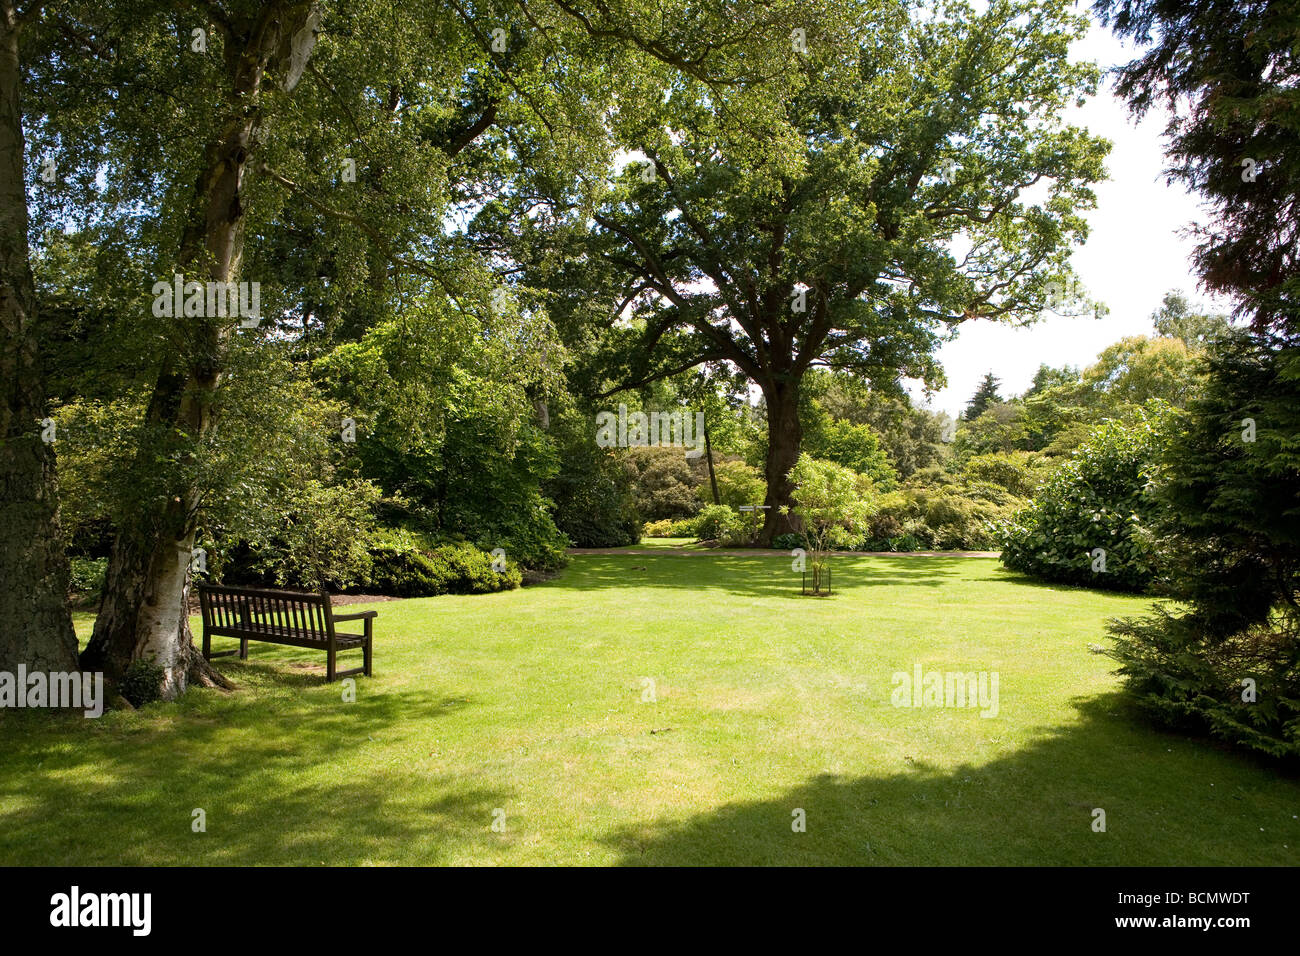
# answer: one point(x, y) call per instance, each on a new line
point(663, 482)
point(948, 517)
point(1099, 499)
point(668, 528)
point(404, 573)
point(1018, 472)
point(999, 428)
point(738, 484)
point(903, 542)
point(959, 522)
point(607, 526)
point(852, 446)
point(594, 505)
point(944, 518)
point(470, 571)
point(87, 578)
point(495, 499)
point(992, 493)
point(683, 528)
point(1227, 532)
point(720, 523)
point(535, 545)
point(321, 535)
point(788, 541)
point(592, 492)
point(447, 569)
point(745, 531)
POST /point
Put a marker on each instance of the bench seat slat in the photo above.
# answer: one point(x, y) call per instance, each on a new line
point(288, 637)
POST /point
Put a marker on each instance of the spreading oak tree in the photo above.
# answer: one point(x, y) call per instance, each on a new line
point(914, 173)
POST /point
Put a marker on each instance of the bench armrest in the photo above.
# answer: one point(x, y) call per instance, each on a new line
point(356, 617)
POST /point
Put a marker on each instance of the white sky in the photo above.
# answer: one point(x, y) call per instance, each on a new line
point(1133, 256)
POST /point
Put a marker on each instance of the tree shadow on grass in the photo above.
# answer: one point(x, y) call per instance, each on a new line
point(123, 789)
point(1005, 575)
point(764, 575)
point(1197, 805)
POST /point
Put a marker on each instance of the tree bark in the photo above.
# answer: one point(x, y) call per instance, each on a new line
point(784, 435)
point(708, 455)
point(35, 626)
point(144, 613)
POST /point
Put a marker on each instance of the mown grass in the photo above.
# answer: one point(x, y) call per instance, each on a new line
point(667, 544)
point(534, 703)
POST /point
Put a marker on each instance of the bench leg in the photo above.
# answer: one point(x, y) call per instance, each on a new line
point(329, 664)
point(367, 647)
point(243, 648)
point(207, 645)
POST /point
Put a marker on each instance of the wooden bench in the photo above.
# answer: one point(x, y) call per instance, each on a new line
point(296, 618)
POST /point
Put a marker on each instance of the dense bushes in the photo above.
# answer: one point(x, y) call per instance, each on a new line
point(934, 511)
point(1019, 472)
point(141, 682)
point(663, 482)
point(1086, 521)
point(714, 521)
point(738, 484)
point(445, 419)
point(721, 523)
point(937, 510)
point(849, 445)
point(946, 518)
point(727, 526)
point(447, 569)
point(492, 495)
point(87, 578)
point(592, 493)
point(528, 538)
point(681, 528)
point(1226, 658)
point(611, 521)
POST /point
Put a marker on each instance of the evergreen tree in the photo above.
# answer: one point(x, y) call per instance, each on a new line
point(985, 395)
point(1228, 72)
point(1226, 658)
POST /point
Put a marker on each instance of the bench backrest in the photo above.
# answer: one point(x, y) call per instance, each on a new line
point(233, 611)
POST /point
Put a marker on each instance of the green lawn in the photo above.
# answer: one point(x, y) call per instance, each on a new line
point(531, 702)
point(668, 544)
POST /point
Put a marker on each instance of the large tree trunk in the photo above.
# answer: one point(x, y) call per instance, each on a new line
point(35, 626)
point(144, 612)
point(708, 457)
point(784, 434)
